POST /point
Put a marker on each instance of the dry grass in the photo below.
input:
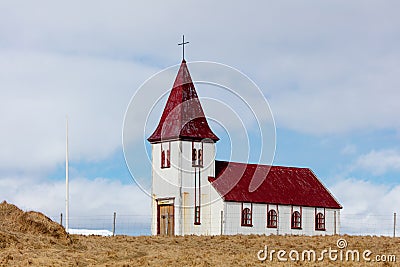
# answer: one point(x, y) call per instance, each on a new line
point(30, 238)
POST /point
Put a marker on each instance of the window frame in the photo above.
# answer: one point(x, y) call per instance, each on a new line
point(162, 158)
point(166, 156)
point(194, 156)
point(320, 220)
point(200, 156)
point(197, 155)
point(247, 220)
point(197, 215)
point(197, 196)
point(296, 221)
point(168, 160)
point(272, 218)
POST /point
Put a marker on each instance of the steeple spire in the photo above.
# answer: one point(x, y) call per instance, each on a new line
point(183, 47)
point(183, 117)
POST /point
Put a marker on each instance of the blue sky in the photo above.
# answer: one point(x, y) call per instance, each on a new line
point(329, 71)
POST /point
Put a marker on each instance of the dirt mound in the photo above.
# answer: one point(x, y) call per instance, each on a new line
point(14, 222)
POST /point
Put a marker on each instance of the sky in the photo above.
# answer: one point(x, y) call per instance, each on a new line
point(328, 69)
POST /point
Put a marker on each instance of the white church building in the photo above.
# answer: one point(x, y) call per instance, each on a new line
point(192, 193)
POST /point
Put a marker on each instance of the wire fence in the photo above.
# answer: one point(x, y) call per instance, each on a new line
point(369, 224)
point(135, 225)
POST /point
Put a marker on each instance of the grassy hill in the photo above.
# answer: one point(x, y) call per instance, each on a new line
point(32, 239)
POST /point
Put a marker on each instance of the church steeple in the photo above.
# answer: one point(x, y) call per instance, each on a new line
point(183, 117)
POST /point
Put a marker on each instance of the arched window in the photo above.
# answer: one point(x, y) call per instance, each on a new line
point(272, 219)
point(197, 154)
point(200, 157)
point(168, 159)
point(194, 156)
point(246, 217)
point(319, 221)
point(296, 220)
point(165, 155)
point(163, 159)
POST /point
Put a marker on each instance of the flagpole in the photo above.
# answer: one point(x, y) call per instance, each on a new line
point(66, 179)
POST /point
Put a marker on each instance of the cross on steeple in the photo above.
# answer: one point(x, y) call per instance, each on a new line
point(183, 46)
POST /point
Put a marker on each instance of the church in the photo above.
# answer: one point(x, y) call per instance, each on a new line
point(195, 194)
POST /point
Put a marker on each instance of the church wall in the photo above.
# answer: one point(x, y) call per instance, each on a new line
point(233, 223)
point(216, 206)
point(284, 220)
point(307, 222)
point(330, 221)
point(165, 182)
point(210, 216)
point(207, 192)
point(178, 180)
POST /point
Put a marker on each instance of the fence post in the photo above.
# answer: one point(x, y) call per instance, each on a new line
point(394, 224)
point(61, 219)
point(115, 217)
point(222, 221)
point(334, 222)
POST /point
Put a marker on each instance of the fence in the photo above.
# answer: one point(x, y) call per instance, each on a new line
point(370, 224)
point(134, 225)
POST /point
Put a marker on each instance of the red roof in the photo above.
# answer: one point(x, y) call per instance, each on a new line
point(241, 182)
point(183, 116)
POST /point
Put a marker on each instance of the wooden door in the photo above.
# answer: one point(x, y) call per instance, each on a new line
point(166, 222)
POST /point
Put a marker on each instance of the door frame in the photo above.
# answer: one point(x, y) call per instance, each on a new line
point(167, 201)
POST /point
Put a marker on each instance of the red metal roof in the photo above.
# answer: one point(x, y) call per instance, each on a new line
point(241, 182)
point(183, 116)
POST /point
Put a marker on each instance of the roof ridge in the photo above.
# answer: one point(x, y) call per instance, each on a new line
point(267, 165)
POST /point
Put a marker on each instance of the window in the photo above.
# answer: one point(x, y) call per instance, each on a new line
point(165, 155)
point(197, 154)
point(200, 157)
point(197, 215)
point(194, 156)
point(272, 219)
point(163, 159)
point(197, 196)
point(320, 222)
point(296, 220)
point(246, 216)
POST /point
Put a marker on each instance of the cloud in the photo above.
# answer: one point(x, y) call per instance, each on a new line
point(322, 76)
point(349, 149)
point(367, 207)
point(39, 89)
point(359, 100)
point(334, 77)
point(379, 161)
point(88, 198)
point(88, 61)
